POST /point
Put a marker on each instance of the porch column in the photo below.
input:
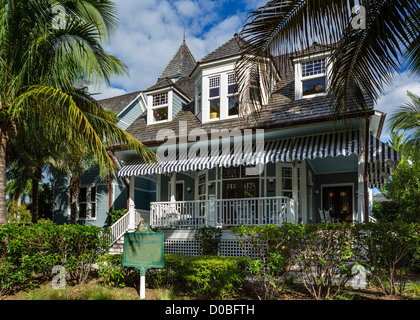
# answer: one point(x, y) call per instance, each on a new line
point(295, 192)
point(173, 187)
point(361, 179)
point(132, 208)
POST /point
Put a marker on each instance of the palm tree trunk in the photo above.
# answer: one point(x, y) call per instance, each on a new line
point(74, 187)
point(35, 194)
point(4, 135)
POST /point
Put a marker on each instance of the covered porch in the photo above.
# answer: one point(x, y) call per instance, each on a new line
point(290, 180)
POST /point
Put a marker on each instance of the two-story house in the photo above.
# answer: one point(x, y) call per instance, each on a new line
point(290, 163)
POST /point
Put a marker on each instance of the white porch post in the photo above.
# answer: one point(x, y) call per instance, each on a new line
point(360, 178)
point(131, 223)
point(295, 192)
point(212, 210)
point(173, 187)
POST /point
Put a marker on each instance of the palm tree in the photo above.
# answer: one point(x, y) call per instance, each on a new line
point(366, 57)
point(407, 117)
point(41, 67)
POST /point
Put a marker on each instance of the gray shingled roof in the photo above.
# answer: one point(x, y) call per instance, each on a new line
point(282, 109)
point(181, 64)
point(118, 103)
point(228, 49)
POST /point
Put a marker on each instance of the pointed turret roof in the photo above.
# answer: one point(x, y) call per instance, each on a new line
point(181, 64)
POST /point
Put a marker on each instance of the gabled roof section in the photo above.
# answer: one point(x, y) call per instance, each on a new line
point(228, 49)
point(119, 103)
point(181, 64)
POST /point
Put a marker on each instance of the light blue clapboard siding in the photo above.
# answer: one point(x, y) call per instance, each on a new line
point(177, 104)
point(131, 113)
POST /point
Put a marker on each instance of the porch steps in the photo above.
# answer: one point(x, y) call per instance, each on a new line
point(118, 246)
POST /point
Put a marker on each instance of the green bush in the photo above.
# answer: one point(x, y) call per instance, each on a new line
point(270, 249)
point(114, 216)
point(205, 276)
point(209, 238)
point(112, 272)
point(388, 251)
point(31, 249)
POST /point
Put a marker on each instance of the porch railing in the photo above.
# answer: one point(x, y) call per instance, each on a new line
point(222, 212)
point(127, 222)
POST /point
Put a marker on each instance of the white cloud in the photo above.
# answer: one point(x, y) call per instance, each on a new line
point(151, 31)
point(396, 95)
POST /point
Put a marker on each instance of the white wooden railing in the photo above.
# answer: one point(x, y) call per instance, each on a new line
point(222, 212)
point(127, 222)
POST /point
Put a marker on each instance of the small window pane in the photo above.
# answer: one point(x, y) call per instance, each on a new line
point(232, 88)
point(93, 210)
point(93, 194)
point(82, 195)
point(214, 92)
point(233, 105)
point(214, 108)
point(313, 86)
point(82, 210)
point(160, 114)
point(160, 99)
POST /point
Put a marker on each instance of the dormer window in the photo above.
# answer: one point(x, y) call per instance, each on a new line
point(160, 107)
point(311, 76)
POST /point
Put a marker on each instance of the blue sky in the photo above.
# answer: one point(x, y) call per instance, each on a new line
point(151, 31)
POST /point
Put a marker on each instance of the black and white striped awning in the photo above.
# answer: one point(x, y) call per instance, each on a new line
point(285, 150)
point(382, 162)
point(382, 159)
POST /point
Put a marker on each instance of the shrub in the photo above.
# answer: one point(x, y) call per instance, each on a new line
point(324, 258)
point(270, 249)
point(35, 248)
point(114, 216)
point(388, 250)
point(206, 276)
point(113, 273)
point(209, 238)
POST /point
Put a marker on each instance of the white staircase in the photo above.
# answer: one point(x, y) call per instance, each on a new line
point(126, 223)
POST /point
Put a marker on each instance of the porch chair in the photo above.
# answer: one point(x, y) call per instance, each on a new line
point(321, 214)
point(329, 218)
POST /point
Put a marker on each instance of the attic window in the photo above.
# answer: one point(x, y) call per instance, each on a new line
point(314, 77)
point(160, 107)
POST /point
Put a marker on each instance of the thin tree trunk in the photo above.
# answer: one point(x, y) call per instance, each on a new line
point(74, 187)
point(4, 135)
point(35, 194)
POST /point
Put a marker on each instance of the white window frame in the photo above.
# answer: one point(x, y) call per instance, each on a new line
point(219, 97)
point(151, 107)
point(88, 204)
point(160, 106)
point(231, 95)
point(299, 78)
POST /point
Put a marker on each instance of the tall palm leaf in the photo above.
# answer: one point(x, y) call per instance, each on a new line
point(407, 117)
point(40, 65)
point(363, 59)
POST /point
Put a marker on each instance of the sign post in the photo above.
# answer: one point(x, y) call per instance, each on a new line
point(143, 249)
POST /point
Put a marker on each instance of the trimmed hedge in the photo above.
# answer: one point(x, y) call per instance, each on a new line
point(200, 276)
point(26, 250)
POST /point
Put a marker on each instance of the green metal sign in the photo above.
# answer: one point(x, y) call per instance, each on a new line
point(143, 249)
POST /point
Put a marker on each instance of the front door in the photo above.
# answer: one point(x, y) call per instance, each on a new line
point(338, 201)
point(240, 211)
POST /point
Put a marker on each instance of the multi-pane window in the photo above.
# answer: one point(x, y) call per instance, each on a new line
point(254, 90)
point(214, 97)
point(312, 68)
point(313, 77)
point(87, 203)
point(160, 107)
point(233, 97)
